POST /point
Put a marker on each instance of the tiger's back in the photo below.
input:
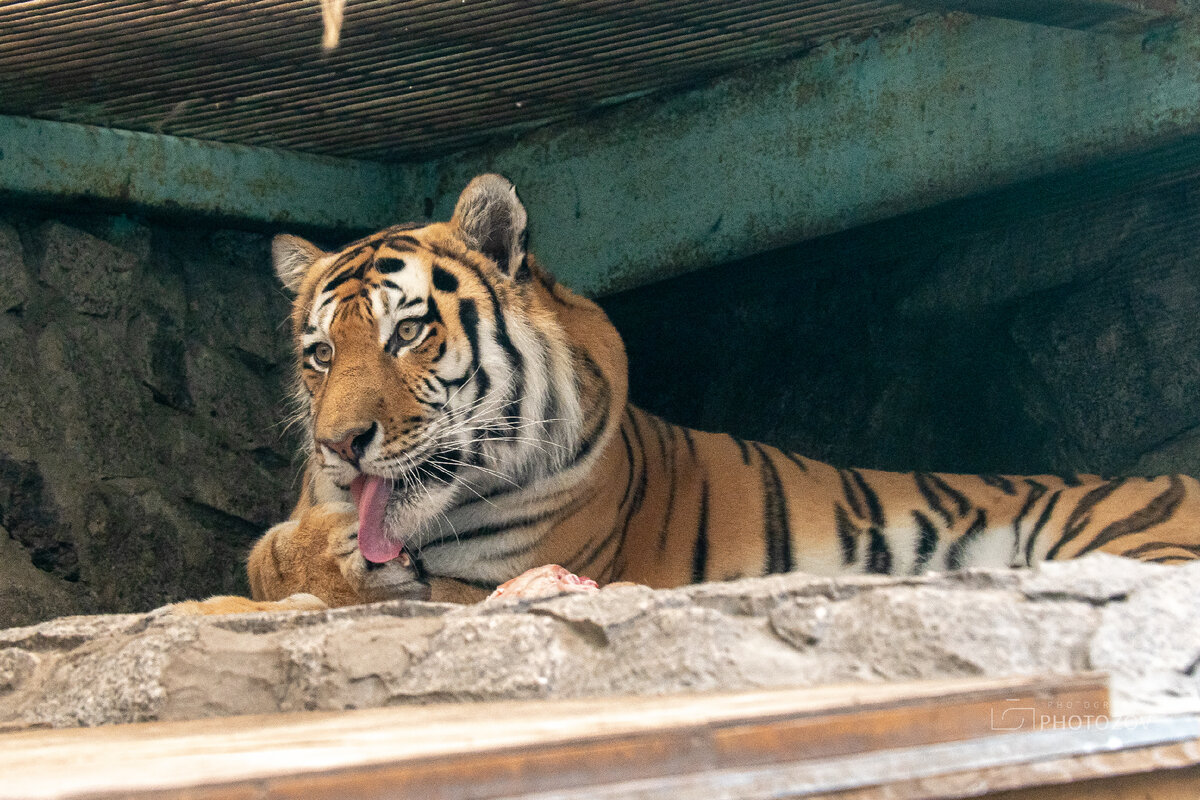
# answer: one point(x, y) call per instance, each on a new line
point(715, 507)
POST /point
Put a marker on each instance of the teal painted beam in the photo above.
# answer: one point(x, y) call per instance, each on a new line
point(64, 161)
point(856, 131)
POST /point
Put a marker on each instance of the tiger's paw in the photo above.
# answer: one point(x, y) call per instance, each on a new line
point(399, 578)
point(546, 581)
point(230, 604)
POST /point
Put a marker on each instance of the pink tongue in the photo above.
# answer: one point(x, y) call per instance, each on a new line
point(371, 494)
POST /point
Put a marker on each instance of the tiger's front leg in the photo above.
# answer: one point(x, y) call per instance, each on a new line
point(313, 562)
point(318, 554)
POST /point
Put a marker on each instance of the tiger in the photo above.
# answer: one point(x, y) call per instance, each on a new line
point(467, 420)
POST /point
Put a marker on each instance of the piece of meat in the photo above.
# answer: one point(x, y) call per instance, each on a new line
point(544, 581)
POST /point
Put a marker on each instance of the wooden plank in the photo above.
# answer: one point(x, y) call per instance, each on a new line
point(497, 749)
point(1176, 784)
point(1163, 772)
point(884, 769)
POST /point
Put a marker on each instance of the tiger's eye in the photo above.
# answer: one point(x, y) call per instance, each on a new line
point(323, 354)
point(409, 330)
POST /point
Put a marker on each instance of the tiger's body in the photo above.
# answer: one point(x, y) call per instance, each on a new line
point(470, 421)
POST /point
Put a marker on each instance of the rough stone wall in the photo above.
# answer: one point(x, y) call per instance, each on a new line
point(1134, 621)
point(142, 381)
point(1047, 328)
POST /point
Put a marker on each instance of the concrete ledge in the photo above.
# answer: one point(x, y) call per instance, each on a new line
point(1135, 621)
point(67, 162)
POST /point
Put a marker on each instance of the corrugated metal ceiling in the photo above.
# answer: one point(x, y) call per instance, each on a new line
point(409, 79)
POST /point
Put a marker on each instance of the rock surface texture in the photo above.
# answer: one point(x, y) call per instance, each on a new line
point(1135, 621)
point(142, 383)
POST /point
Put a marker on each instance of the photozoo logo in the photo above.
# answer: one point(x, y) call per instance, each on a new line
point(1022, 714)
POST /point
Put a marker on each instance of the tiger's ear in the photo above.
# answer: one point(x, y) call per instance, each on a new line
point(492, 220)
point(292, 257)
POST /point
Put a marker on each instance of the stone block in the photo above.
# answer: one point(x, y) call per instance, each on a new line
point(101, 410)
point(32, 518)
point(1164, 295)
point(29, 594)
point(1179, 454)
point(15, 285)
point(23, 422)
point(94, 276)
point(234, 398)
point(144, 547)
point(158, 351)
point(16, 666)
point(234, 299)
point(1150, 643)
point(1095, 355)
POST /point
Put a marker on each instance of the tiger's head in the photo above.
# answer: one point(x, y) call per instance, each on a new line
point(434, 373)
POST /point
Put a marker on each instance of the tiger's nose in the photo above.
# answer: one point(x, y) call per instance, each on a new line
point(352, 446)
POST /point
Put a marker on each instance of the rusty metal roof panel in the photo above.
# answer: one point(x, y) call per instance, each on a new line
point(409, 79)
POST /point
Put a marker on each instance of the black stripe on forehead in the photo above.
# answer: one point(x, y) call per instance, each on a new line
point(350, 269)
point(363, 251)
point(355, 305)
point(339, 280)
point(389, 256)
point(403, 242)
point(444, 251)
point(367, 241)
point(443, 279)
point(379, 237)
point(389, 264)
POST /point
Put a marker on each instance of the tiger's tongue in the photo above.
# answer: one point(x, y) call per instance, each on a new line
point(371, 495)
